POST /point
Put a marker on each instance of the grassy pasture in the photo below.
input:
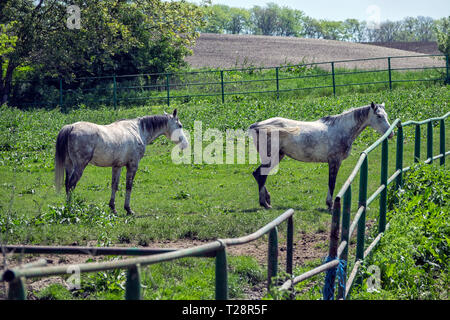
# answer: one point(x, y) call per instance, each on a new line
point(186, 201)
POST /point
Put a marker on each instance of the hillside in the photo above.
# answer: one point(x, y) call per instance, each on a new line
point(231, 51)
point(426, 47)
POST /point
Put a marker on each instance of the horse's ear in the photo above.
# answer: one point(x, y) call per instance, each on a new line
point(174, 113)
point(383, 104)
point(165, 113)
point(373, 106)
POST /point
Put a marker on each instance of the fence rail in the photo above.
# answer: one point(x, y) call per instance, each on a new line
point(338, 252)
point(165, 87)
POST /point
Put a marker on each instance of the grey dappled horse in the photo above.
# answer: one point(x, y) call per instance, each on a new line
point(115, 145)
point(328, 139)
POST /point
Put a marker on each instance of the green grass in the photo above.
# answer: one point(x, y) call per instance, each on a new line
point(186, 201)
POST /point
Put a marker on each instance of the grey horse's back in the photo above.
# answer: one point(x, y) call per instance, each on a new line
point(60, 154)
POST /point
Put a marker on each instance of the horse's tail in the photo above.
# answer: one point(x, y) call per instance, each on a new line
point(60, 154)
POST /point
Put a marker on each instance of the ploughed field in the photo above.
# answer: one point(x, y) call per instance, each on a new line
point(235, 51)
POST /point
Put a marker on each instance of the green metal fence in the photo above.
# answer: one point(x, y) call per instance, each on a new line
point(338, 251)
point(16, 276)
point(166, 87)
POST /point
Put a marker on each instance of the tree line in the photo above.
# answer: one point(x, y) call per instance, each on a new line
point(275, 20)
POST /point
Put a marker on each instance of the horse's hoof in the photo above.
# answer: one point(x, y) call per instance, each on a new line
point(268, 197)
point(113, 209)
point(129, 211)
point(265, 205)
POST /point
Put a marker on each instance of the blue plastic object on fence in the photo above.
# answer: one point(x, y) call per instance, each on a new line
point(329, 287)
point(341, 274)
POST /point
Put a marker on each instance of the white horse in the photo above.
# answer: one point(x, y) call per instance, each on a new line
point(328, 139)
point(115, 145)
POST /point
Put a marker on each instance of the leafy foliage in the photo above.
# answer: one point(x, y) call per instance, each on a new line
point(115, 37)
point(414, 253)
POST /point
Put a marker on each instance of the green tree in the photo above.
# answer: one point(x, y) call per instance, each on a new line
point(239, 21)
point(332, 30)
point(354, 30)
point(109, 31)
point(216, 18)
point(442, 31)
point(289, 22)
point(265, 19)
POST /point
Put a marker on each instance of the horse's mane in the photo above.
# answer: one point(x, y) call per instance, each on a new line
point(359, 114)
point(152, 123)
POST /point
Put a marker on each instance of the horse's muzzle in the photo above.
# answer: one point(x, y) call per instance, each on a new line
point(183, 144)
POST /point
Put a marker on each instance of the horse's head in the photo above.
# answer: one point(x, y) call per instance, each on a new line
point(175, 130)
point(378, 119)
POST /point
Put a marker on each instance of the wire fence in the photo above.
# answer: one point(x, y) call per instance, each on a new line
point(325, 78)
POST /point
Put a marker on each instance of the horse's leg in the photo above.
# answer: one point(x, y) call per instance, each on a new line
point(69, 170)
point(114, 187)
point(78, 162)
point(131, 172)
point(264, 195)
point(261, 180)
point(77, 172)
point(333, 168)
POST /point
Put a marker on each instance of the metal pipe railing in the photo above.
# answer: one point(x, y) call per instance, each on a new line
point(16, 276)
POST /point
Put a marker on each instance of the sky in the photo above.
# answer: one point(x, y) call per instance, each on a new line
point(368, 10)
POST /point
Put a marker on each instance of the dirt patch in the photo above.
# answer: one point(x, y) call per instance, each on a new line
point(232, 51)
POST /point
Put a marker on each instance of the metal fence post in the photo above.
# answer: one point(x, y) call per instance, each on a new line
point(330, 278)
point(272, 265)
point(168, 88)
point(222, 86)
point(430, 141)
point(383, 181)
point(345, 237)
point(390, 73)
point(442, 141)
point(17, 289)
point(133, 284)
point(447, 66)
point(221, 275)
point(278, 82)
point(334, 81)
point(289, 245)
point(399, 158)
point(417, 144)
point(115, 92)
point(362, 201)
